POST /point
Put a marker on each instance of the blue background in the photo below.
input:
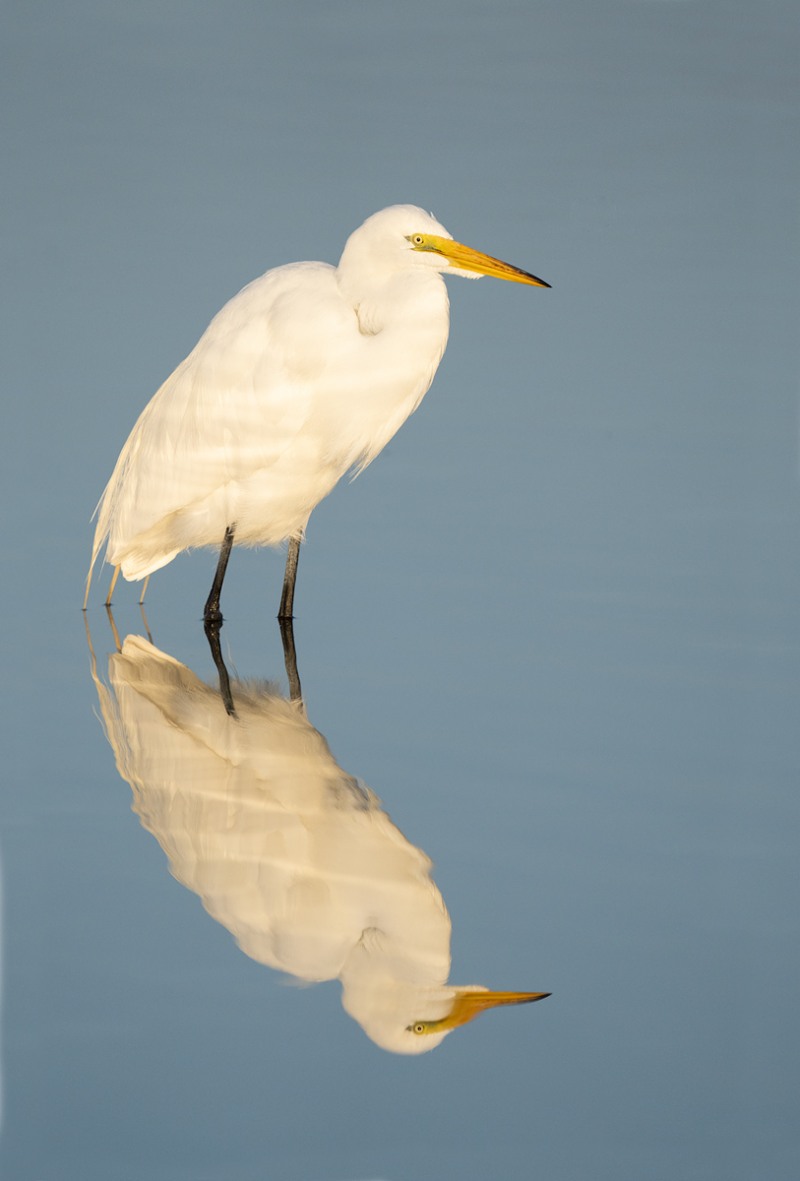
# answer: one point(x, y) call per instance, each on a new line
point(554, 626)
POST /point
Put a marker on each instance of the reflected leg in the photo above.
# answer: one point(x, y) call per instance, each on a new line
point(290, 659)
point(212, 629)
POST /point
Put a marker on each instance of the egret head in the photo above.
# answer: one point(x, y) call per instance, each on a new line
point(405, 237)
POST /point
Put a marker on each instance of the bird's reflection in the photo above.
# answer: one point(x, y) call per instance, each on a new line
point(294, 856)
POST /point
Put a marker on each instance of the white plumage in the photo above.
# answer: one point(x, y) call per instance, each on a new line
point(303, 376)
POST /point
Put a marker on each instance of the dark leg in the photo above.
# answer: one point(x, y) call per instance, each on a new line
point(290, 659)
point(287, 598)
point(211, 611)
point(212, 629)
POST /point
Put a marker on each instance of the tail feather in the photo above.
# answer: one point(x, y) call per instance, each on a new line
point(104, 510)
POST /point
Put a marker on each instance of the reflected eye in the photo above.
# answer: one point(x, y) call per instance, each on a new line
point(418, 1027)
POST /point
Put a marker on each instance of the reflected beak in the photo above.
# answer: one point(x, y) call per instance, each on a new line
point(467, 259)
point(472, 1002)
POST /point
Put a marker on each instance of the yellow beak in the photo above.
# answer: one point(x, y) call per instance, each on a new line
point(467, 259)
point(472, 1002)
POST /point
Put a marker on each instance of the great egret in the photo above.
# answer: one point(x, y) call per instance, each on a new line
point(294, 856)
point(305, 375)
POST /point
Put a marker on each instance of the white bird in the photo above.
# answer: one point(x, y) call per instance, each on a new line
point(305, 375)
point(294, 856)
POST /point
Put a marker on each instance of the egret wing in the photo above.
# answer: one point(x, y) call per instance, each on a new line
point(241, 399)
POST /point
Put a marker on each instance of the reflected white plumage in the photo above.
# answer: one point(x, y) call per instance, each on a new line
point(293, 855)
point(303, 376)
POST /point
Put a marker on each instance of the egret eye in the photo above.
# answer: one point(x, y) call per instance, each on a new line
point(418, 1027)
point(417, 240)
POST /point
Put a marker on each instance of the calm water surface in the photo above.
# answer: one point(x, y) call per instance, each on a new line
point(548, 643)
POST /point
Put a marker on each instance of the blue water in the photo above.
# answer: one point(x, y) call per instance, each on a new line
point(554, 627)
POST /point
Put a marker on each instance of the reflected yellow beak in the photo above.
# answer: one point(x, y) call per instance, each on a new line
point(473, 1002)
point(467, 259)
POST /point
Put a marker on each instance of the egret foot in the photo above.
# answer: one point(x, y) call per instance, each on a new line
point(212, 616)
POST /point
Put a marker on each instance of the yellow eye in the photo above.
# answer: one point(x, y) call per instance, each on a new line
point(418, 1027)
point(417, 239)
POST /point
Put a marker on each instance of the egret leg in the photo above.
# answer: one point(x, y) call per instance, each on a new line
point(144, 591)
point(287, 597)
point(211, 611)
point(114, 578)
